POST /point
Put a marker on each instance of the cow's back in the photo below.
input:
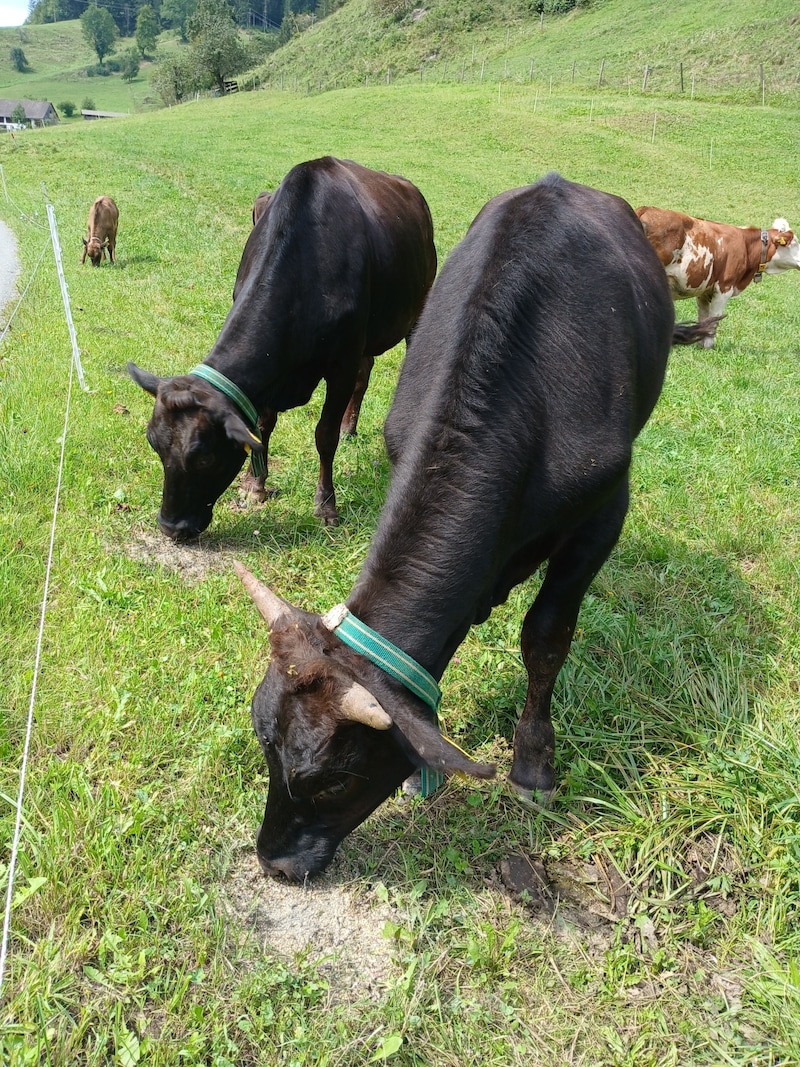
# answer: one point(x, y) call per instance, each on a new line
point(552, 323)
point(337, 247)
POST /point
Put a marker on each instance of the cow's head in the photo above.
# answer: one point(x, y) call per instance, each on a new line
point(784, 246)
point(94, 249)
point(334, 751)
point(202, 441)
point(260, 205)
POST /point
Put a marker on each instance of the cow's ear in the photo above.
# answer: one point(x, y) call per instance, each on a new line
point(149, 382)
point(430, 747)
point(786, 237)
point(86, 243)
point(237, 431)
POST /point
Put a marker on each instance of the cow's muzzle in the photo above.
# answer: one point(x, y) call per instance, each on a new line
point(183, 529)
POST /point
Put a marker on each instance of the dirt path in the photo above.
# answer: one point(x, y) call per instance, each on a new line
point(9, 265)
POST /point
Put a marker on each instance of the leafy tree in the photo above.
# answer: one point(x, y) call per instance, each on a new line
point(147, 30)
point(216, 44)
point(18, 115)
point(175, 78)
point(67, 108)
point(129, 67)
point(18, 60)
point(177, 13)
point(87, 104)
point(99, 30)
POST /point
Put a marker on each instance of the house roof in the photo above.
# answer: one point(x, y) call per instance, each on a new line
point(34, 109)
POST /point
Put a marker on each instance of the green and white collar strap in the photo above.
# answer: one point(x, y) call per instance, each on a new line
point(243, 403)
point(397, 663)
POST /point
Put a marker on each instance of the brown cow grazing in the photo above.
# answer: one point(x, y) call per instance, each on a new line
point(260, 206)
point(712, 261)
point(102, 225)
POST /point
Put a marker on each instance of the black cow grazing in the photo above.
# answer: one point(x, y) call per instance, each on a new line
point(539, 356)
point(334, 273)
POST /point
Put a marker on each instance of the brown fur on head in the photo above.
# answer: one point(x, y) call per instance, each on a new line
point(94, 249)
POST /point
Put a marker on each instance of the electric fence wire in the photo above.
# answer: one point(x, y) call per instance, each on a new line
point(34, 685)
point(74, 367)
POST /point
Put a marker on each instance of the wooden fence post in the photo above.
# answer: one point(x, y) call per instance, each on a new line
point(644, 79)
point(600, 75)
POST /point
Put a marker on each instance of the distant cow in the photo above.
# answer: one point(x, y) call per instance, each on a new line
point(713, 261)
point(510, 435)
point(260, 205)
point(334, 273)
point(102, 227)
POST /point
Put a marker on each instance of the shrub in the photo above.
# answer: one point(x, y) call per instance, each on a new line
point(18, 60)
point(88, 104)
point(18, 115)
point(67, 108)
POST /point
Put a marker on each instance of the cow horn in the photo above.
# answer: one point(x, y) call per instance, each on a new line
point(359, 705)
point(268, 603)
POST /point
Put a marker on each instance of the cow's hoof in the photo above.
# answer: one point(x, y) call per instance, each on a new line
point(532, 799)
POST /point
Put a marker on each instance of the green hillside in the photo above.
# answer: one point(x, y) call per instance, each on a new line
point(59, 58)
point(724, 46)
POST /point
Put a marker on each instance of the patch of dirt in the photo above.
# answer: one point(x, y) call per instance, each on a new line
point(336, 927)
point(192, 560)
point(588, 896)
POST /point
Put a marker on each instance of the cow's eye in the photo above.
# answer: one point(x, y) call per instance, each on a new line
point(333, 790)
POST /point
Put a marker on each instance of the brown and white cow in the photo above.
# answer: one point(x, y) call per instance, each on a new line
point(713, 261)
point(102, 227)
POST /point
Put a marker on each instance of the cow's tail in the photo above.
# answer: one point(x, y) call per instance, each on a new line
point(690, 333)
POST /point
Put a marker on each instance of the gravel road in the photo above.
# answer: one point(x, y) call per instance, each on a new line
point(9, 265)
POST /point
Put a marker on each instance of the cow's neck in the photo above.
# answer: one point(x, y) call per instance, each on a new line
point(431, 571)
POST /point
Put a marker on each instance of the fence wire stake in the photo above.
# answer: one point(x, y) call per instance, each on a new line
point(76, 356)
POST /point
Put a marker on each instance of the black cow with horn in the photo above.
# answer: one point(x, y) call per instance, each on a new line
point(538, 358)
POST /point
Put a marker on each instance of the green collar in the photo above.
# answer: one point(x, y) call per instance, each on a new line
point(396, 663)
point(234, 393)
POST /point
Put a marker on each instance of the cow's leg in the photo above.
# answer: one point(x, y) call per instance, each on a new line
point(546, 637)
point(337, 396)
point(707, 306)
point(111, 247)
point(255, 487)
point(350, 420)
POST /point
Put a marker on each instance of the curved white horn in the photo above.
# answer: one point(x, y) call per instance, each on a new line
point(268, 603)
point(359, 705)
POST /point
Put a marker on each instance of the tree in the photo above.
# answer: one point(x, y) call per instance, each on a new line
point(175, 78)
point(18, 115)
point(129, 67)
point(67, 108)
point(215, 40)
point(99, 30)
point(177, 13)
point(18, 60)
point(147, 30)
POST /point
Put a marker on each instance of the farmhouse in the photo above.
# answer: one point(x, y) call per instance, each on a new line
point(37, 112)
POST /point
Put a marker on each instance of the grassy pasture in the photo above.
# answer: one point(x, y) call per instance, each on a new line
point(141, 931)
point(59, 58)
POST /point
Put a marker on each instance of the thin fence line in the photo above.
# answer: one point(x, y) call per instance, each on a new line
point(7, 326)
point(22, 214)
point(34, 685)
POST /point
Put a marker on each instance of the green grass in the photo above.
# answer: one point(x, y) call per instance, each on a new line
point(674, 838)
point(59, 58)
point(723, 50)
